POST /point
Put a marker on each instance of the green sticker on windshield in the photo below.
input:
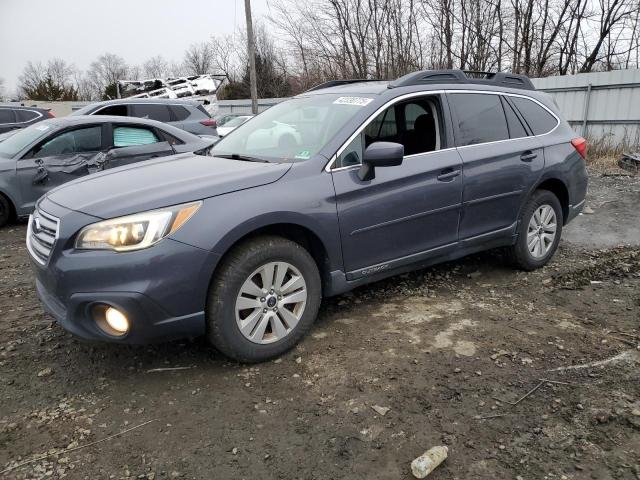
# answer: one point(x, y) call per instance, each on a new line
point(303, 155)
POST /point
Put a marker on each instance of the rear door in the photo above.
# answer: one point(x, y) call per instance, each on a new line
point(406, 212)
point(7, 120)
point(154, 111)
point(501, 160)
point(57, 160)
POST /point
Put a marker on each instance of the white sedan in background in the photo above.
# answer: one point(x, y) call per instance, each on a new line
point(232, 124)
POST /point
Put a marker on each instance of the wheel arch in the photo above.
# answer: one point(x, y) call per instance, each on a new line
point(292, 229)
point(13, 214)
point(560, 190)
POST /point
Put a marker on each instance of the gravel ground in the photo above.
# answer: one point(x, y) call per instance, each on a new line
point(448, 353)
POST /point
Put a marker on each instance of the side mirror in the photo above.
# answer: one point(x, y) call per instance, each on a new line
point(380, 154)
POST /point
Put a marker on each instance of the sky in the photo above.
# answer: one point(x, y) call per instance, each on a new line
point(80, 30)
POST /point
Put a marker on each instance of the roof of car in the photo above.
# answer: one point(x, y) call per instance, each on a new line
point(167, 101)
point(70, 120)
point(22, 107)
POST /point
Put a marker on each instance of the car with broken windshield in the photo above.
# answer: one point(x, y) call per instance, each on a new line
point(45, 155)
point(338, 187)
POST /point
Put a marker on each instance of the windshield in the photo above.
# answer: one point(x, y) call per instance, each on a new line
point(25, 137)
point(293, 130)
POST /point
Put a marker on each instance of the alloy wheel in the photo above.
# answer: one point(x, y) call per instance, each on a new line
point(271, 302)
point(541, 232)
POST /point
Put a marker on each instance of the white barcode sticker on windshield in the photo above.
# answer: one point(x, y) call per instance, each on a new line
point(357, 101)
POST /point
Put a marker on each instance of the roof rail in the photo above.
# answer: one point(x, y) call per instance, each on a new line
point(335, 83)
point(427, 77)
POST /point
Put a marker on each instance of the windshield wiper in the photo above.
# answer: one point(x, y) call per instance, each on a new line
point(244, 158)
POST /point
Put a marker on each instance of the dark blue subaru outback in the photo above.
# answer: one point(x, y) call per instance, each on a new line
point(340, 186)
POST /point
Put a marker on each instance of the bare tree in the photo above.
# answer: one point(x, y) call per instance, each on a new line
point(198, 59)
point(155, 67)
point(105, 72)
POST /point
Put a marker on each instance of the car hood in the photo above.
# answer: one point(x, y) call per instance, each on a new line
point(161, 182)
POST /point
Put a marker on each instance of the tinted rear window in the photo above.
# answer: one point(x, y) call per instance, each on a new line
point(539, 119)
point(6, 115)
point(152, 111)
point(26, 115)
point(179, 112)
point(480, 118)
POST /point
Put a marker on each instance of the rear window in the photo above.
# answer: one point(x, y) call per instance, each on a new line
point(6, 115)
point(179, 112)
point(480, 118)
point(516, 129)
point(539, 119)
point(153, 111)
point(117, 110)
point(26, 115)
point(131, 136)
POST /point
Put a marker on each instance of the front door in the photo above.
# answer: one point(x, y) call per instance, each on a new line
point(406, 211)
point(57, 160)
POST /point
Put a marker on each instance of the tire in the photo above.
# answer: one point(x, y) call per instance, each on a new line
point(5, 210)
point(521, 254)
point(232, 330)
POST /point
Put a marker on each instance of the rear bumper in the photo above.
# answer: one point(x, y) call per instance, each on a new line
point(574, 211)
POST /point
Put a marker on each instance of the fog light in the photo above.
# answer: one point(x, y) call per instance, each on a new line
point(116, 320)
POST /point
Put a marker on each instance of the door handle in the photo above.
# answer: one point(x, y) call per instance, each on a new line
point(448, 174)
point(528, 156)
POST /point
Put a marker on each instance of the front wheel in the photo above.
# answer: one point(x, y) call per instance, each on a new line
point(263, 300)
point(539, 231)
point(5, 211)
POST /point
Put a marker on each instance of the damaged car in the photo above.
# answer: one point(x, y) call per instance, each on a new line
point(55, 151)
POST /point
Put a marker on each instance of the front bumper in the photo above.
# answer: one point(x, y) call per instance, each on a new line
point(161, 289)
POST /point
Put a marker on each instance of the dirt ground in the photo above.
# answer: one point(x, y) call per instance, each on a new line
point(450, 351)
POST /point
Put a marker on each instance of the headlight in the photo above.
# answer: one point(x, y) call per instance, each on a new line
point(135, 232)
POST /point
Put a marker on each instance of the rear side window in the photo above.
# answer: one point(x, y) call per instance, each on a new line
point(131, 136)
point(539, 119)
point(516, 129)
point(179, 112)
point(6, 116)
point(203, 110)
point(480, 118)
point(117, 110)
point(74, 141)
point(153, 111)
point(26, 115)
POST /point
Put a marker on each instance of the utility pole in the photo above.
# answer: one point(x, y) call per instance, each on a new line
point(252, 57)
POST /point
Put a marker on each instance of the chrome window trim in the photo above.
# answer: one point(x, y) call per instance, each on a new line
point(328, 167)
point(39, 114)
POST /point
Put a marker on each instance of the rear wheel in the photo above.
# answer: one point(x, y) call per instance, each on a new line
point(5, 211)
point(263, 300)
point(539, 231)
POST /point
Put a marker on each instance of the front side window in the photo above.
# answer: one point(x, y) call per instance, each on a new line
point(132, 136)
point(75, 141)
point(539, 119)
point(152, 111)
point(294, 130)
point(414, 124)
point(480, 118)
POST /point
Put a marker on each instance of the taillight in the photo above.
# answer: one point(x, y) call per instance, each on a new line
point(580, 144)
point(209, 122)
point(51, 115)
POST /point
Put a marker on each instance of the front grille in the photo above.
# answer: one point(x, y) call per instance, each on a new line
point(42, 234)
